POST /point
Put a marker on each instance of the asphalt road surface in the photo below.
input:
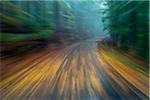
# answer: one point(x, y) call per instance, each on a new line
point(75, 72)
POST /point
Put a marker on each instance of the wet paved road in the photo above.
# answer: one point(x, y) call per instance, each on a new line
point(74, 72)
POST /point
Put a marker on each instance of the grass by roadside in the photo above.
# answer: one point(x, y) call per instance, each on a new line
point(125, 58)
point(132, 69)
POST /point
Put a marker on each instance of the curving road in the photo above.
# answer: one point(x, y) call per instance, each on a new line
point(78, 71)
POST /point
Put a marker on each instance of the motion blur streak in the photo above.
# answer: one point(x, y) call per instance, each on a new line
point(80, 71)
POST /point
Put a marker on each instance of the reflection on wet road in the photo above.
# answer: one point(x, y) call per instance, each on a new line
point(78, 71)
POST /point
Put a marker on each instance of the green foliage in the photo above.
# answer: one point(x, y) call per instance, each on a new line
point(127, 22)
point(8, 37)
point(121, 30)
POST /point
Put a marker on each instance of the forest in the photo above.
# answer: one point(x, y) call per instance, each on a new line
point(125, 21)
point(93, 45)
point(128, 27)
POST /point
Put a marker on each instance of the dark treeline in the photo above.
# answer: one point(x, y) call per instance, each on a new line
point(125, 21)
point(32, 20)
point(29, 15)
point(128, 24)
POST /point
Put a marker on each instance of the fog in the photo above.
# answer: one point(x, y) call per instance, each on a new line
point(88, 16)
